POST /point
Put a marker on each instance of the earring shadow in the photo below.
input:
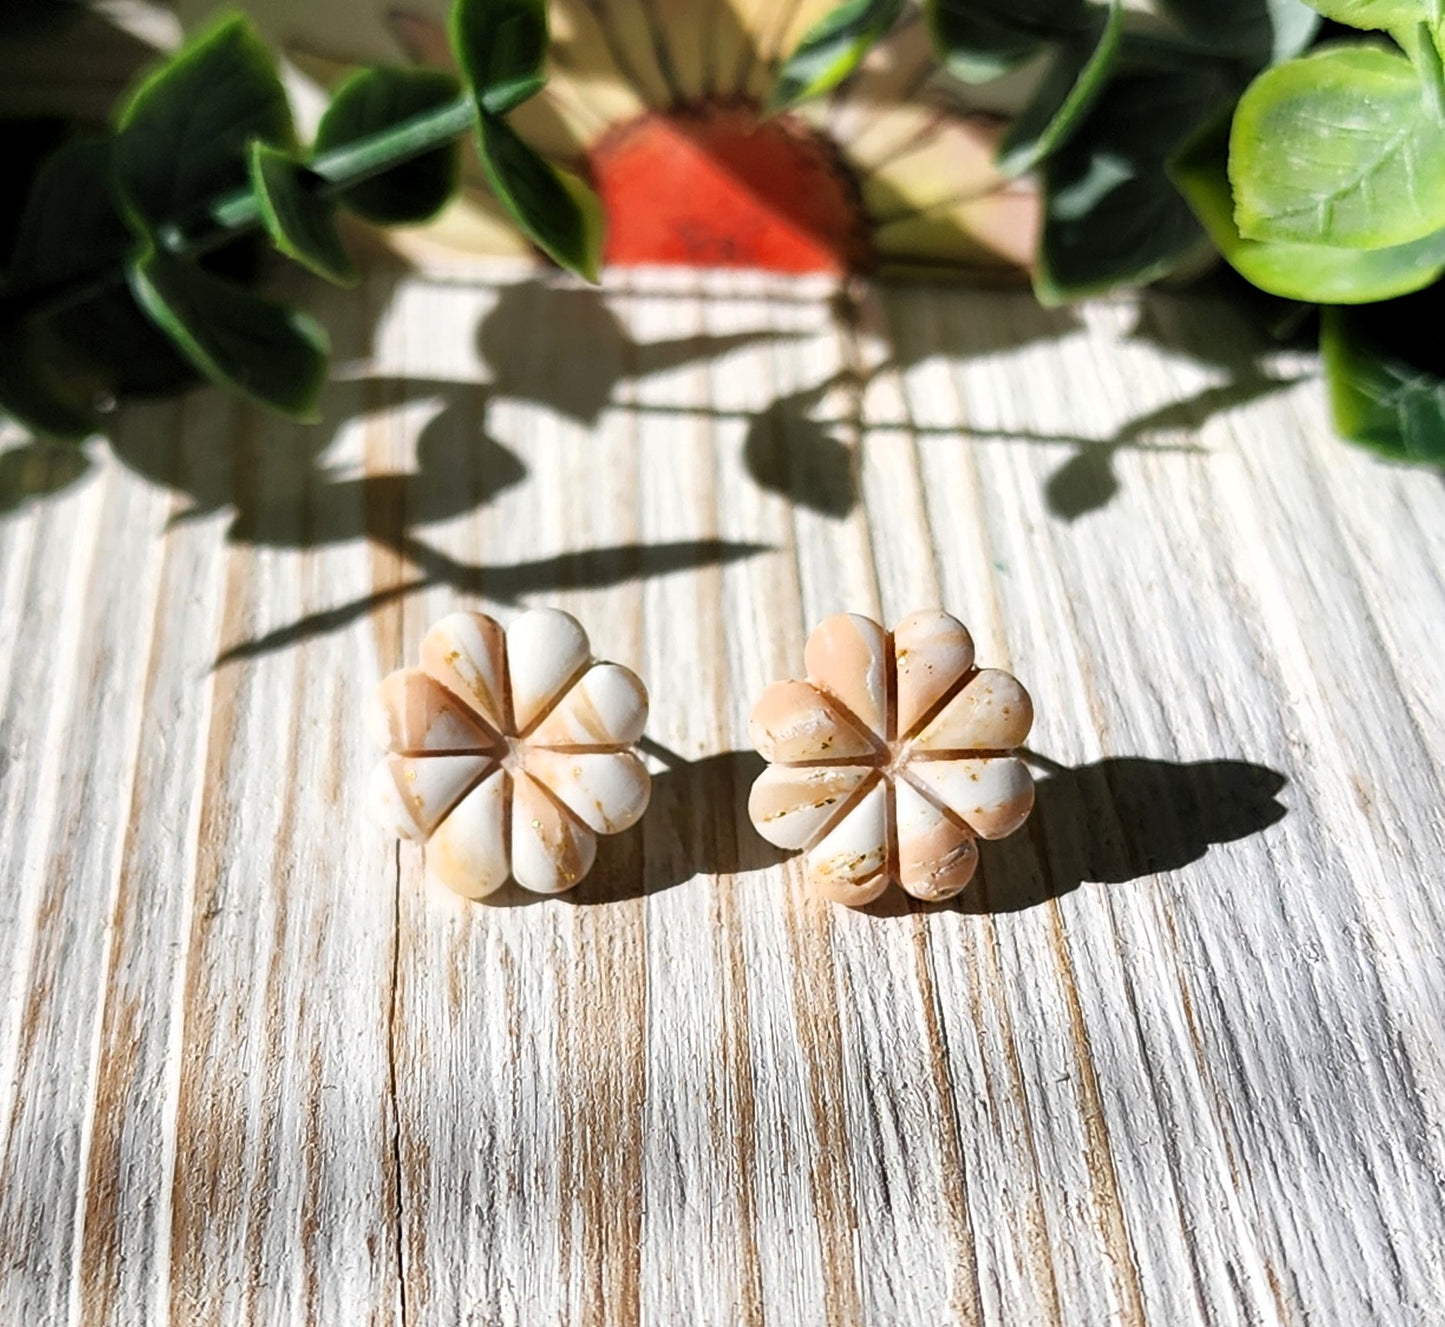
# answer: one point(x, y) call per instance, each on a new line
point(696, 824)
point(1119, 820)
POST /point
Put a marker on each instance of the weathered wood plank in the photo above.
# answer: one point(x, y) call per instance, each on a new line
point(1173, 1059)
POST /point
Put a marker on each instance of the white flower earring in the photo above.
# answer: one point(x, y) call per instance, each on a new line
point(510, 751)
point(891, 759)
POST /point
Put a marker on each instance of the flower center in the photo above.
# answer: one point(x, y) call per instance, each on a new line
point(512, 757)
point(715, 185)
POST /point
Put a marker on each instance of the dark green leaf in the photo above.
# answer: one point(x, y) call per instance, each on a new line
point(372, 101)
point(558, 212)
point(183, 136)
point(25, 145)
point(29, 390)
point(979, 40)
point(117, 349)
point(274, 354)
point(1076, 75)
point(1260, 32)
point(1338, 148)
point(1312, 272)
point(832, 49)
point(1386, 380)
point(300, 219)
point(1111, 215)
point(500, 45)
point(70, 226)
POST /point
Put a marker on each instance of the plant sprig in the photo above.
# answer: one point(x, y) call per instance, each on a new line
point(127, 270)
point(1319, 175)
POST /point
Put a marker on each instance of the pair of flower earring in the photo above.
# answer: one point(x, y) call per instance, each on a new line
point(511, 751)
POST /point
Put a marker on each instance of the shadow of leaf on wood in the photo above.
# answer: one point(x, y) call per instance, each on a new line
point(696, 824)
point(506, 583)
point(789, 453)
point(1121, 819)
point(38, 469)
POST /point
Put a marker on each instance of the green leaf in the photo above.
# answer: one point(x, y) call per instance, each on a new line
point(1080, 66)
point(832, 49)
point(500, 45)
point(70, 226)
point(372, 101)
point(300, 219)
point(559, 213)
point(979, 40)
point(274, 354)
point(183, 136)
point(1381, 14)
point(1312, 272)
point(1111, 215)
point(1260, 32)
point(26, 143)
point(1386, 381)
point(1338, 148)
point(29, 390)
point(116, 348)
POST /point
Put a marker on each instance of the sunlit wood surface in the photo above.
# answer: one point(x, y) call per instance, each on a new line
point(1175, 1059)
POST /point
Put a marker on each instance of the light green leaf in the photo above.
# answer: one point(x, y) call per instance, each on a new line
point(559, 213)
point(30, 392)
point(1377, 14)
point(184, 134)
point(274, 354)
point(832, 49)
point(1338, 148)
point(500, 45)
point(1111, 215)
point(299, 218)
point(1078, 71)
point(1311, 272)
point(372, 101)
point(979, 40)
point(1386, 381)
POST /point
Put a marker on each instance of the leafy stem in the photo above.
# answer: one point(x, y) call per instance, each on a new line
point(115, 281)
point(238, 212)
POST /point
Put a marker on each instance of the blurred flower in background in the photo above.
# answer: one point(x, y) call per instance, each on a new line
point(658, 102)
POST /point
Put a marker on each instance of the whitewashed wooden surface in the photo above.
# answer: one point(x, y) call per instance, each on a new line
point(1177, 1059)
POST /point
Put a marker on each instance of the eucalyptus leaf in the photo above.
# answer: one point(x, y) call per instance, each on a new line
point(1311, 272)
point(980, 40)
point(300, 219)
point(1076, 75)
point(560, 214)
point(832, 49)
point(70, 226)
point(1339, 148)
point(29, 391)
point(1386, 381)
point(1112, 217)
point(26, 143)
point(1260, 32)
point(372, 101)
point(272, 353)
point(184, 134)
point(117, 348)
point(500, 45)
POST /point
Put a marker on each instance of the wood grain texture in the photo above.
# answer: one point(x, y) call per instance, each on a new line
point(1174, 1058)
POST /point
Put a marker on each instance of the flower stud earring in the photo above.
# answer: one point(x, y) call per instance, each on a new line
point(509, 752)
point(891, 759)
